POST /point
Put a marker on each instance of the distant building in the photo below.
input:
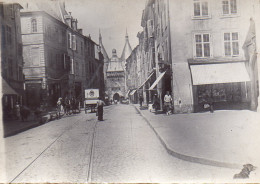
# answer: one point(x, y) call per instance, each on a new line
point(114, 67)
point(11, 57)
point(94, 66)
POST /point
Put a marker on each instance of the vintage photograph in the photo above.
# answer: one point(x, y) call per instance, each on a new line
point(130, 91)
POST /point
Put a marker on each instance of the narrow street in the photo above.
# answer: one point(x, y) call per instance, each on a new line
point(78, 148)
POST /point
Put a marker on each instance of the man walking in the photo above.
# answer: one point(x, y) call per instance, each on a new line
point(100, 104)
point(167, 102)
point(141, 99)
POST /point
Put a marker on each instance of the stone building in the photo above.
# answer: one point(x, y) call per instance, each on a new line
point(211, 58)
point(11, 57)
point(47, 66)
point(214, 65)
point(59, 60)
point(114, 67)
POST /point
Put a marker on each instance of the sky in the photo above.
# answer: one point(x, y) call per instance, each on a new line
point(112, 17)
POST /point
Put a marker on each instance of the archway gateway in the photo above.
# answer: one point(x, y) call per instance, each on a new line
point(116, 97)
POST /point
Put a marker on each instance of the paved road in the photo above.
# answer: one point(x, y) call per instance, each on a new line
point(122, 148)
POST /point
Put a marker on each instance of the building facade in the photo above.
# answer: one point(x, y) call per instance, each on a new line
point(59, 60)
point(115, 69)
point(44, 49)
point(205, 54)
point(11, 57)
point(214, 64)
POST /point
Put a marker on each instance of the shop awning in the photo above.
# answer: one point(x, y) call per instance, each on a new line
point(127, 92)
point(133, 92)
point(146, 80)
point(157, 80)
point(7, 89)
point(219, 73)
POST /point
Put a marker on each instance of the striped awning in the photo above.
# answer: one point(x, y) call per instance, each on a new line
point(146, 80)
point(157, 80)
point(133, 92)
point(7, 89)
point(219, 73)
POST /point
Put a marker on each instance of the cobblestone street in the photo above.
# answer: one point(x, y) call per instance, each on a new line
point(122, 148)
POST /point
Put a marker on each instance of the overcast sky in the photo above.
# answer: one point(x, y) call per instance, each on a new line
point(112, 17)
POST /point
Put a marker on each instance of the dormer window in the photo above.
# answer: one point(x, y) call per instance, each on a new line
point(34, 25)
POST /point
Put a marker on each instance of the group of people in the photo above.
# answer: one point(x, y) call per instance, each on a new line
point(156, 103)
point(21, 112)
point(68, 105)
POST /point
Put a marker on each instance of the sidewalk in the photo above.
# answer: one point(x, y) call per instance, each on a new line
point(223, 138)
point(13, 127)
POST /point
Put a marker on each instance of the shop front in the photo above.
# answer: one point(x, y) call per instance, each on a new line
point(225, 85)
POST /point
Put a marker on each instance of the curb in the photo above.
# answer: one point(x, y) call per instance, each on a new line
point(187, 157)
point(21, 130)
point(40, 122)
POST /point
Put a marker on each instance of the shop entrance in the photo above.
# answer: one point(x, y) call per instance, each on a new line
point(224, 96)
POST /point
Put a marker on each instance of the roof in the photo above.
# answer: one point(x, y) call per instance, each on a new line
point(127, 50)
point(55, 8)
point(115, 64)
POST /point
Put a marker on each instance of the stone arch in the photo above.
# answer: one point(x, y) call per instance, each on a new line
point(116, 96)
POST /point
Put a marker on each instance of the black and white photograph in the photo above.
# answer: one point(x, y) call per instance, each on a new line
point(130, 91)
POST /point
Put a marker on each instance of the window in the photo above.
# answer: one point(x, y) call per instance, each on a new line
point(9, 35)
point(10, 67)
point(34, 25)
point(229, 7)
point(71, 66)
point(81, 47)
point(2, 10)
point(231, 44)
point(74, 42)
point(150, 29)
point(35, 56)
point(201, 8)
point(202, 45)
point(3, 37)
point(69, 40)
point(11, 10)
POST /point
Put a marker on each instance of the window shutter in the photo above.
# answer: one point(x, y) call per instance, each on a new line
point(210, 45)
point(70, 41)
point(150, 28)
point(74, 46)
point(72, 67)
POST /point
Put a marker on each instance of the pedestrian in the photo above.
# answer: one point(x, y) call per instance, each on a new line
point(167, 102)
point(59, 104)
point(141, 99)
point(156, 103)
point(100, 104)
point(18, 111)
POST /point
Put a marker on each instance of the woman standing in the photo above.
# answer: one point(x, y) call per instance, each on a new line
point(100, 104)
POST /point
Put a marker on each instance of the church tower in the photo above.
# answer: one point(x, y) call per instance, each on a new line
point(114, 71)
point(127, 50)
